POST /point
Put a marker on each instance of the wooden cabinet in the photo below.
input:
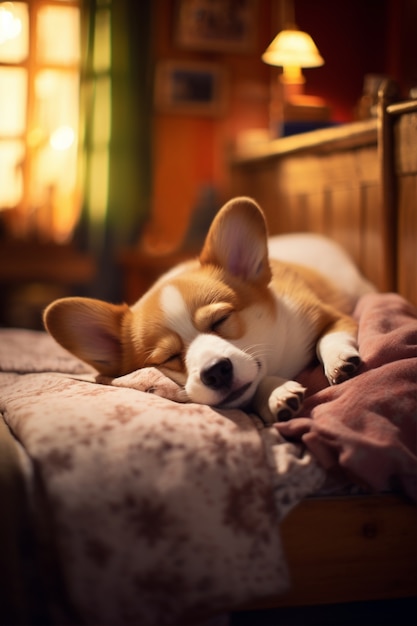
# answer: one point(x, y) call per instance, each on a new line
point(32, 274)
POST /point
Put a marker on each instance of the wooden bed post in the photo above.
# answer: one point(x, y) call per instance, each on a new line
point(388, 92)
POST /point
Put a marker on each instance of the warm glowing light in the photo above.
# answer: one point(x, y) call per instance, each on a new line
point(10, 26)
point(11, 181)
point(292, 49)
point(35, 138)
point(62, 138)
point(13, 82)
point(39, 116)
point(59, 35)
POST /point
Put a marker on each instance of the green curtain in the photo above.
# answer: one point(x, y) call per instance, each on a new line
point(116, 102)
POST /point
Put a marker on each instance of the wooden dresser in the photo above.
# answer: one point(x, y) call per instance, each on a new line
point(356, 183)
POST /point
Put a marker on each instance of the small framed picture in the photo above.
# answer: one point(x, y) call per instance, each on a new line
point(218, 25)
point(190, 88)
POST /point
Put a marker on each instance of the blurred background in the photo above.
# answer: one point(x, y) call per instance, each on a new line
point(118, 120)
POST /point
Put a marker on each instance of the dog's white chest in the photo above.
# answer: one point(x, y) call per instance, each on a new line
point(291, 340)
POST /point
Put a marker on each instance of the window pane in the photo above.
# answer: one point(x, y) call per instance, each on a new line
point(14, 32)
point(55, 167)
point(56, 102)
point(13, 89)
point(53, 187)
point(58, 35)
point(11, 177)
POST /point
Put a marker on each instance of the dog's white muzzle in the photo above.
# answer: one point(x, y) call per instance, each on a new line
point(219, 373)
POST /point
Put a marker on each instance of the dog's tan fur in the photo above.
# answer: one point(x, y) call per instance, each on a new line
point(230, 299)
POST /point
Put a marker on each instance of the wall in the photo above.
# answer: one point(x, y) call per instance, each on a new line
point(192, 151)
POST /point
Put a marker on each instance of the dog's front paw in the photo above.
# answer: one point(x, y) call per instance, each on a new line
point(278, 399)
point(286, 400)
point(338, 351)
point(344, 366)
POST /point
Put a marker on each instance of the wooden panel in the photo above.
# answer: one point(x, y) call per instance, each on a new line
point(373, 254)
point(335, 193)
point(297, 213)
point(316, 183)
point(334, 545)
point(405, 137)
point(407, 238)
point(345, 212)
point(260, 181)
point(405, 131)
point(319, 212)
point(313, 172)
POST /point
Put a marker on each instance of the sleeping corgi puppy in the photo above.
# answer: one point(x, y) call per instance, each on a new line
point(233, 327)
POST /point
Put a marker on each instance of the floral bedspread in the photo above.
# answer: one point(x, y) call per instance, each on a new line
point(154, 512)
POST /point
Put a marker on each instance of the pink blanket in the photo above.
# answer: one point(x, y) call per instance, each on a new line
point(367, 426)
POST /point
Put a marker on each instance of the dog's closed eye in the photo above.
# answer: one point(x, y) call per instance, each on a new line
point(168, 352)
point(219, 318)
point(171, 359)
point(217, 324)
point(227, 325)
point(173, 363)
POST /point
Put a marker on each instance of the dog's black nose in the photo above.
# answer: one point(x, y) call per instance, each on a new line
point(218, 373)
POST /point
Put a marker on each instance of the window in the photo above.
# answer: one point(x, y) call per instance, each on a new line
point(39, 117)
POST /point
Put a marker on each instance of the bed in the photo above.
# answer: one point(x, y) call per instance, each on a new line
point(120, 505)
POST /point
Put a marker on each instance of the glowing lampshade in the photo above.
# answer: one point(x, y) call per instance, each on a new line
point(293, 49)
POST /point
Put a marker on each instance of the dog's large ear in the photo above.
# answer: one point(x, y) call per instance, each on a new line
point(238, 241)
point(90, 329)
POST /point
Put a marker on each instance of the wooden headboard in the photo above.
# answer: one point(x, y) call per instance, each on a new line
point(356, 183)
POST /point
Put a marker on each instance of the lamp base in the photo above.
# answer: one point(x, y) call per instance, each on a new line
point(288, 128)
point(306, 109)
point(293, 112)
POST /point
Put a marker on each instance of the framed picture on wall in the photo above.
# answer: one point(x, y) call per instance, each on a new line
point(190, 88)
point(218, 25)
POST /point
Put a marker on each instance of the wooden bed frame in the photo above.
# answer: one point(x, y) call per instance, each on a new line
point(358, 184)
point(349, 549)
